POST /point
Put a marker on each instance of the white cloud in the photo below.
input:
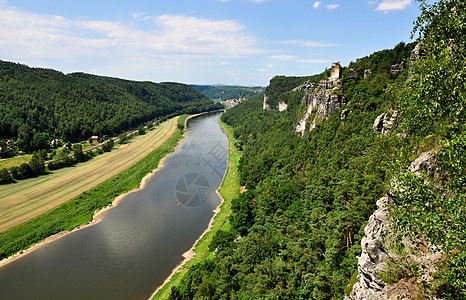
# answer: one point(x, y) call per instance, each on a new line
point(116, 48)
point(298, 60)
point(388, 5)
point(371, 3)
point(258, 1)
point(317, 4)
point(310, 44)
point(333, 6)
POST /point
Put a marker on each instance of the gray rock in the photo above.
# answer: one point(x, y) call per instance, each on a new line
point(282, 106)
point(322, 99)
point(265, 105)
point(344, 114)
point(377, 127)
point(395, 69)
point(416, 53)
point(383, 124)
point(367, 73)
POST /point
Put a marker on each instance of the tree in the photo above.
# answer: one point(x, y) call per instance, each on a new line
point(433, 102)
point(78, 152)
point(37, 164)
point(5, 177)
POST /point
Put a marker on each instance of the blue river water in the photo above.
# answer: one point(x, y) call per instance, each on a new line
point(139, 242)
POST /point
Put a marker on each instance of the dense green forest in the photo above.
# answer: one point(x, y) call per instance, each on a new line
point(223, 92)
point(296, 231)
point(37, 105)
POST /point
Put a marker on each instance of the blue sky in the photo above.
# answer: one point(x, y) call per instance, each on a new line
point(240, 42)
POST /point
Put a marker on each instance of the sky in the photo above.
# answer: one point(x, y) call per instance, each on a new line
point(236, 42)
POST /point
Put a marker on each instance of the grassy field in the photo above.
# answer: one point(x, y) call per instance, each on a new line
point(15, 161)
point(229, 190)
point(26, 199)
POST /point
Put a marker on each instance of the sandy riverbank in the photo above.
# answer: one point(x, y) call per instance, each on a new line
point(98, 215)
point(188, 255)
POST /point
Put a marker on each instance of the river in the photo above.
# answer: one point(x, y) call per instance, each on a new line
point(139, 242)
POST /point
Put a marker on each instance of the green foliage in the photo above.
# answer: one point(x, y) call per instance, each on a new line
point(433, 103)
point(80, 210)
point(37, 104)
point(228, 92)
point(5, 176)
point(308, 199)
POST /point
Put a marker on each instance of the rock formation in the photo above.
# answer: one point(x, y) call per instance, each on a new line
point(395, 69)
point(383, 124)
point(367, 73)
point(282, 106)
point(321, 99)
point(265, 105)
point(416, 53)
point(375, 254)
point(344, 114)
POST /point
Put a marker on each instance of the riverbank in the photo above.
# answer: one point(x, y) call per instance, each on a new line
point(86, 209)
point(229, 189)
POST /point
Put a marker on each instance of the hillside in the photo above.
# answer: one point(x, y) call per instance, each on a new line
point(320, 152)
point(223, 92)
point(37, 104)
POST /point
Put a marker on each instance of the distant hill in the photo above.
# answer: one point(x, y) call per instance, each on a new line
point(38, 102)
point(220, 92)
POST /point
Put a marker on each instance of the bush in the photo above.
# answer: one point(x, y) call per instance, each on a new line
point(5, 176)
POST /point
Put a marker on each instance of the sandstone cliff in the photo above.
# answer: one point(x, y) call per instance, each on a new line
point(321, 99)
point(377, 259)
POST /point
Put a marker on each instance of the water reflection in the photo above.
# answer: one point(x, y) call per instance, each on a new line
point(139, 242)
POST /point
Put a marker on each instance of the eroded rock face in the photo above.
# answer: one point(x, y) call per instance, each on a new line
point(416, 53)
point(282, 106)
point(321, 99)
point(265, 105)
point(369, 284)
point(383, 123)
point(395, 69)
point(375, 254)
point(367, 73)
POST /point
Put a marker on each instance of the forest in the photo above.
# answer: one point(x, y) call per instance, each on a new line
point(38, 105)
point(296, 230)
point(224, 92)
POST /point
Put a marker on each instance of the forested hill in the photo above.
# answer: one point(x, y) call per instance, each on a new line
point(296, 231)
point(308, 198)
point(223, 92)
point(35, 101)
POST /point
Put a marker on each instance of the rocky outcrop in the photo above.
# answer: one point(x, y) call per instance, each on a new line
point(416, 53)
point(282, 106)
point(395, 69)
point(375, 254)
point(335, 72)
point(367, 73)
point(383, 123)
point(265, 105)
point(344, 114)
point(369, 284)
point(321, 100)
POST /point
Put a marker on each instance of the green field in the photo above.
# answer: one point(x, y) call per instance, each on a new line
point(229, 190)
point(26, 199)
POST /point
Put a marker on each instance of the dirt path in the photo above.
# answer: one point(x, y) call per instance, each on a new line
point(26, 199)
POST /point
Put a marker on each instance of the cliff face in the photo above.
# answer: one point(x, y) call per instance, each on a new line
point(377, 259)
point(321, 99)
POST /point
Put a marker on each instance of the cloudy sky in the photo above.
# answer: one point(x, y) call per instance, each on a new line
point(243, 42)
